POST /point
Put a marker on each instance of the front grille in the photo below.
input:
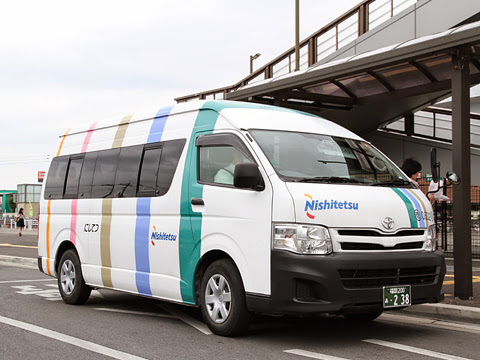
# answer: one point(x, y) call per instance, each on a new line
point(369, 278)
point(373, 233)
point(369, 246)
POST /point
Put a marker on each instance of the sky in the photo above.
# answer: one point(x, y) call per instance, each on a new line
point(64, 63)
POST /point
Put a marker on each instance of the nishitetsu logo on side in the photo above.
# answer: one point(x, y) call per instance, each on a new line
point(312, 205)
point(161, 236)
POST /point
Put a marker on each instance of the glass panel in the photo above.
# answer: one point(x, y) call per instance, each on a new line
point(172, 150)
point(217, 164)
point(104, 176)
point(348, 30)
point(423, 123)
point(281, 68)
point(439, 67)
point(303, 157)
point(403, 76)
point(56, 178)
point(326, 43)
point(327, 89)
point(400, 5)
point(397, 125)
point(127, 171)
point(148, 171)
point(73, 177)
point(379, 11)
point(86, 177)
point(364, 85)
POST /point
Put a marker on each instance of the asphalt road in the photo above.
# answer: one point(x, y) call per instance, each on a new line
point(36, 324)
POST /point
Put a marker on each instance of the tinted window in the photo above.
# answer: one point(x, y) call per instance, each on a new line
point(104, 177)
point(56, 178)
point(172, 150)
point(148, 171)
point(86, 177)
point(127, 171)
point(73, 177)
point(217, 164)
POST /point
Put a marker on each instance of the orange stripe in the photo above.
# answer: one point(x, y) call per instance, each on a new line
point(48, 238)
point(61, 144)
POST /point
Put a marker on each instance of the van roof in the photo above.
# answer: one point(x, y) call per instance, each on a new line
point(235, 113)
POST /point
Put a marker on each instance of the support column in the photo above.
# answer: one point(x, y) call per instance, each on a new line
point(462, 232)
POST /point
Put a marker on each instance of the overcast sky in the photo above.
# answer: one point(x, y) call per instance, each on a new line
point(63, 63)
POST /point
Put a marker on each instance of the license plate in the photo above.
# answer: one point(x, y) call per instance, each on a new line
point(396, 296)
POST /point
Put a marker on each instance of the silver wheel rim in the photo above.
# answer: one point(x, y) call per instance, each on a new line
point(67, 277)
point(218, 298)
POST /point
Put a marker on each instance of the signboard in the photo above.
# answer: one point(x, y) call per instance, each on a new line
point(41, 176)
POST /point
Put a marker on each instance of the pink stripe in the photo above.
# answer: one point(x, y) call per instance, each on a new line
point(87, 138)
point(73, 224)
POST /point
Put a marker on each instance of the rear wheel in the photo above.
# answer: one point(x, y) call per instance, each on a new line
point(222, 299)
point(72, 287)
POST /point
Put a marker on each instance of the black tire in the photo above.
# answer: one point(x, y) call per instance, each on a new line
point(364, 317)
point(222, 299)
point(70, 279)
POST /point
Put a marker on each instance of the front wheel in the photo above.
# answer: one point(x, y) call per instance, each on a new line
point(222, 299)
point(72, 287)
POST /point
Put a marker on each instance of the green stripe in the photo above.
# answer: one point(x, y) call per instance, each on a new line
point(190, 222)
point(410, 208)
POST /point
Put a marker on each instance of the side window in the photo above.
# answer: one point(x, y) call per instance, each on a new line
point(56, 178)
point(172, 150)
point(217, 163)
point(104, 176)
point(86, 177)
point(148, 171)
point(73, 177)
point(127, 171)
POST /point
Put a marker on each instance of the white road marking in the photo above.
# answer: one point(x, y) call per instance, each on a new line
point(25, 281)
point(447, 325)
point(136, 312)
point(313, 355)
point(100, 349)
point(200, 326)
point(415, 350)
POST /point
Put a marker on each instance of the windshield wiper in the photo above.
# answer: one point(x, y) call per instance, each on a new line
point(328, 179)
point(394, 182)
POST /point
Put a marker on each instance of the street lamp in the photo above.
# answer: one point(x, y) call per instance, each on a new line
point(253, 57)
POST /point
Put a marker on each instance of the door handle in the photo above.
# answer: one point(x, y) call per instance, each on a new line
point(197, 201)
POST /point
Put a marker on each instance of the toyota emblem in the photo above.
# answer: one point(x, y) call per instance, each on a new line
point(388, 223)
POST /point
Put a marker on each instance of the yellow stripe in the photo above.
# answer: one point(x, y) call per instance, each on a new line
point(122, 129)
point(20, 246)
point(48, 238)
point(105, 243)
point(61, 144)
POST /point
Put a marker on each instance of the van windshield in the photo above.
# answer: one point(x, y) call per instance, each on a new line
point(305, 157)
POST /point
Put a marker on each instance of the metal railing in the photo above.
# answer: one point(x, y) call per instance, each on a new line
point(346, 28)
point(434, 123)
point(30, 224)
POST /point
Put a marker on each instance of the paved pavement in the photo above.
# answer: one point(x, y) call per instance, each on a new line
point(22, 251)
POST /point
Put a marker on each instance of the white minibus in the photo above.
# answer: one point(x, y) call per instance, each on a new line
point(237, 208)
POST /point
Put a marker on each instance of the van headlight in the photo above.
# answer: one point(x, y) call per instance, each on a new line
point(302, 239)
point(431, 242)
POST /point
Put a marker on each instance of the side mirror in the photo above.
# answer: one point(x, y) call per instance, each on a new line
point(453, 178)
point(247, 176)
point(434, 165)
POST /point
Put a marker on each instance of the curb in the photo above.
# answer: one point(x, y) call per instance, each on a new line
point(446, 311)
point(24, 262)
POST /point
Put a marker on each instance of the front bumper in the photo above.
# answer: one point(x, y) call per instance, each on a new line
point(347, 282)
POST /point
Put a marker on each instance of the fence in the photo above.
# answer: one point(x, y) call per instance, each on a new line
point(30, 224)
point(443, 211)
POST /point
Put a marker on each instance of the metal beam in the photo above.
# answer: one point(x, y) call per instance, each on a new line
point(319, 98)
point(462, 233)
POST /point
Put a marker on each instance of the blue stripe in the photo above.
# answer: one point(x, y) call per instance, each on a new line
point(156, 131)
point(142, 259)
point(418, 207)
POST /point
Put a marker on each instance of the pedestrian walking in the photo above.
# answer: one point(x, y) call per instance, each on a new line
point(20, 219)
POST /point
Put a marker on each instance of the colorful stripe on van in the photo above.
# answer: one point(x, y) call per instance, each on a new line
point(415, 207)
